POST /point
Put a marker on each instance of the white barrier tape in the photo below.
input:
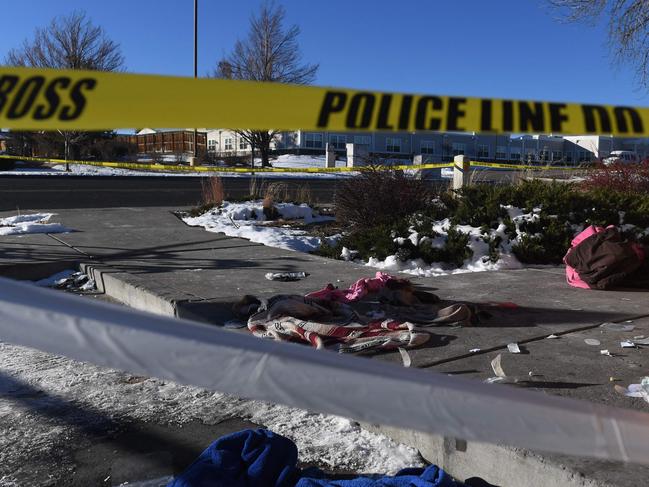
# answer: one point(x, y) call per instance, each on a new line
point(295, 375)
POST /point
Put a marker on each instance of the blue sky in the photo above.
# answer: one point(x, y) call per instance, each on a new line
point(504, 48)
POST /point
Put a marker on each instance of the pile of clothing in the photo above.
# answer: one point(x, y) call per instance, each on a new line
point(600, 258)
point(261, 458)
point(380, 313)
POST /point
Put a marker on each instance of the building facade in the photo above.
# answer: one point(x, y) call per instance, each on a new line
point(433, 146)
point(150, 141)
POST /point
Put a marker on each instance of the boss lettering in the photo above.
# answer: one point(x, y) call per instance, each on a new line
point(40, 98)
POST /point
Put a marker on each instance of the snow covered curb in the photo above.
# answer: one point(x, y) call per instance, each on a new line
point(34, 223)
point(247, 220)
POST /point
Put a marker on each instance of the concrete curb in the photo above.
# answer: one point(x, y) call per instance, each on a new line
point(128, 289)
point(498, 465)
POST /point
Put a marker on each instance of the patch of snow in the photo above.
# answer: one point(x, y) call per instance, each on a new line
point(326, 441)
point(55, 280)
point(293, 161)
point(246, 220)
point(32, 223)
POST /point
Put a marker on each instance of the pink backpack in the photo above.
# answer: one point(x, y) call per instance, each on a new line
point(571, 274)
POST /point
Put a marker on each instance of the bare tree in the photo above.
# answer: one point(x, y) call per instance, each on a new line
point(628, 28)
point(71, 42)
point(270, 53)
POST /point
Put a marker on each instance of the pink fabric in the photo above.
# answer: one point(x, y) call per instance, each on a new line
point(356, 291)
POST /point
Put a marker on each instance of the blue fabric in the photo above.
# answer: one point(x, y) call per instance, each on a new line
point(431, 476)
point(261, 458)
point(249, 458)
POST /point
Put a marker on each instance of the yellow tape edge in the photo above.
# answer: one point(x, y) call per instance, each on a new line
point(208, 169)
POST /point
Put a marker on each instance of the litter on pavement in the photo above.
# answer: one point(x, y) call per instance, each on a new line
point(636, 390)
point(286, 276)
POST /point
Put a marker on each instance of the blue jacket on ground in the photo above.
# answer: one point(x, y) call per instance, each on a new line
point(249, 458)
point(261, 458)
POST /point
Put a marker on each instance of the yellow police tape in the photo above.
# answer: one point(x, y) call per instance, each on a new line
point(40, 99)
point(225, 169)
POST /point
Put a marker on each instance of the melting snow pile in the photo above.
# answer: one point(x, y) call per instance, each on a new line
point(35, 223)
point(247, 220)
point(479, 242)
point(69, 280)
point(38, 424)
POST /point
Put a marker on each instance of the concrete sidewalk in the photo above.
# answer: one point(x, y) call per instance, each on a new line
point(149, 259)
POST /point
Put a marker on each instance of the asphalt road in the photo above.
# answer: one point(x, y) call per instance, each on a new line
point(67, 191)
point(52, 192)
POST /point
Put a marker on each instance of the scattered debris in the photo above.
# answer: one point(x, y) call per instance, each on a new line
point(592, 342)
point(474, 350)
point(627, 344)
point(617, 327)
point(636, 390)
point(498, 370)
point(513, 348)
point(286, 276)
point(641, 340)
point(552, 336)
point(613, 379)
point(405, 357)
point(606, 352)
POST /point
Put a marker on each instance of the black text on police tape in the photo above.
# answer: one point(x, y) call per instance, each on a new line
point(38, 98)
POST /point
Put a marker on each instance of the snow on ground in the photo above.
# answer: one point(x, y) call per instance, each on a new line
point(293, 160)
point(326, 441)
point(246, 220)
point(33, 223)
point(69, 280)
point(287, 161)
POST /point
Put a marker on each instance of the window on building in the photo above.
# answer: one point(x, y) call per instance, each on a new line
point(458, 149)
point(313, 141)
point(211, 145)
point(363, 139)
point(585, 156)
point(515, 154)
point(393, 144)
point(530, 155)
point(243, 145)
point(227, 144)
point(544, 155)
point(483, 151)
point(557, 155)
point(427, 147)
point(501, 152)
point(338, 141)
point(569, 156)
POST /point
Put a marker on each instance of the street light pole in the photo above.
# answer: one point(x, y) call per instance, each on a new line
point(195, 73)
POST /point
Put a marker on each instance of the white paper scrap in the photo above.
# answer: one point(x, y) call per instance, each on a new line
point(627, 344)
point(513, 348)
